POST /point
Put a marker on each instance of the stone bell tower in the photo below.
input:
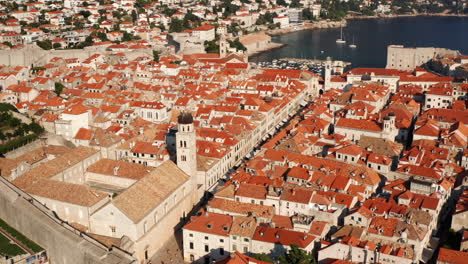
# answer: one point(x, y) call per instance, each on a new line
point(223, 46)
point(328, 72)
point(186, 144)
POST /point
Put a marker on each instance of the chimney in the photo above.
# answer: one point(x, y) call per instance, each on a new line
point(116, 170)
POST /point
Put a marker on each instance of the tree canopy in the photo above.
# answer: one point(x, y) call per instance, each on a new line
point(297, 255)
point(58, 88)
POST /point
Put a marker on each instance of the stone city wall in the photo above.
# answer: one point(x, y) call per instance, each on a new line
point(406, 59)
point(38, 143)
point(64, 244)
point(33, 55)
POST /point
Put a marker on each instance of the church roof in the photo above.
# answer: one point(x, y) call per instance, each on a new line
point(145, 195)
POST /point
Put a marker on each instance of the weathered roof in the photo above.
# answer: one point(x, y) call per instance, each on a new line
point(142, 197)
point(65, 192)
point(120, 168)
point(51, 168)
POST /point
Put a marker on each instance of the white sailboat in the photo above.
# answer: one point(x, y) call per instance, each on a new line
point(353, 46)
point(341, 39)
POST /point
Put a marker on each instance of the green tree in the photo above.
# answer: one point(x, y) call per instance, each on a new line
point(8, 44)
point(14, 122)
point(57, 45)
point(35, 128)
point(102, 36)
point(128, 37)
point(45, 44)
point(78, 25)
point(296, 255)
point(85, 13)
point(58, 88)
point(295, 4)
point(116, 27)
point(4, 107)
point(19, 132)
point(88, 42)
point(368, 11)
point(134, 16)
point(186, 24)
point(237, 44)
point(263, 257)
point(156, 55)
point(281, 2)
point(176, 25)
point(233, 28)
point(229, 8)
point(269, 17)
point(169, 12)
point(211, 47)
point(260, 20)
point(189, 19)
point(307, 14)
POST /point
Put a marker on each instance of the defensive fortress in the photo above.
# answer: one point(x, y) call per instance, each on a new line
point(65, 243)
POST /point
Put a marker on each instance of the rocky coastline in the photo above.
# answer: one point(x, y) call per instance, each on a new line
point(307, 25)
point(271, 46)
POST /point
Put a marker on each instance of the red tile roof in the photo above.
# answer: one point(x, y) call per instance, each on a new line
point(282, 236)
point(369, 125)
point(452, 256)
point(211, 223)
point(238, 258)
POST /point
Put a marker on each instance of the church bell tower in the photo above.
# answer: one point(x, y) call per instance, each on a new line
point(186, 144)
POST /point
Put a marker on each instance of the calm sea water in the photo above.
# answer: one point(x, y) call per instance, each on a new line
point(372, 36)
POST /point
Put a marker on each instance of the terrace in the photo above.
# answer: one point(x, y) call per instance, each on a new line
point(14, 245)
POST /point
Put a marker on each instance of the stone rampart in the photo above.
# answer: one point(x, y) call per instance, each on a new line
point(64, 244)
point(32, 55)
